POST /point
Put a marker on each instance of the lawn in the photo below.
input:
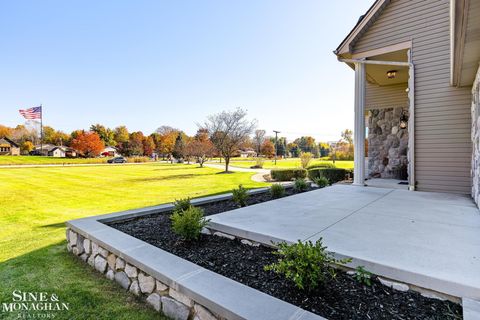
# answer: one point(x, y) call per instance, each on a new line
point(35, 203)
point(20, 160)
point(289, 163)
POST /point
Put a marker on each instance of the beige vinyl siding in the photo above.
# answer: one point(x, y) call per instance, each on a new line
point(442, 113)
point(392, 96)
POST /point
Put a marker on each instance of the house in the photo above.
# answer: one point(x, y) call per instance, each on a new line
point(417, 90)
point(110, 151)
point(8, 147)
point(247, 153)
point(50, 150)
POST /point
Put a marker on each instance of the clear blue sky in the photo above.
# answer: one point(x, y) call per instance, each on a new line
point(150, 63)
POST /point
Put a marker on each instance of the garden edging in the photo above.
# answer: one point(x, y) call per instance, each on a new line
point(179, 288)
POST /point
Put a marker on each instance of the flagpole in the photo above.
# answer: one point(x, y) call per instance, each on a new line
point(41, 130)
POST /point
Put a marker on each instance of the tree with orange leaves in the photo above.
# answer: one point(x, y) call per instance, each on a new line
point(88, 144)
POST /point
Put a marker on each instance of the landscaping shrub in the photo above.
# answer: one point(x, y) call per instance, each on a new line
point(321, 165)
point(240, 196)
point(332, 174)
point(258, 163)
point(188, 223)
point(300, 185)
point(321, 182)
point(277, 190)
point(305, 159)
point(363, 276)
point(306, 264)
point(288, 174)
point(182, 204)
point(138, 159)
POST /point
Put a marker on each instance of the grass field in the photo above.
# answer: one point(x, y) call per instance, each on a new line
point(19, 160)
point(289, 163)
point(35, 203)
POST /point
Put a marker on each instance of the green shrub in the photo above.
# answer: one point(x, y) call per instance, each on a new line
point(277, 190)
point(305, 159)
point(363, 276)
point(321, 165)
point(288, 174)
point(321, 182)
point(332, 174)
point(188, 223)
point(258, 163)
point(300, 185)
point(181, 205)
point(240, 196)
point(306, 264)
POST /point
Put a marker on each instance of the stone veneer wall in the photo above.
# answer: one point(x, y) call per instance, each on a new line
point(387, 143)
point(476, 139)
point(158, 295)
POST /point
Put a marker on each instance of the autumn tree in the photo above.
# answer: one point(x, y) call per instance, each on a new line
point(200, 149)
point(228, 130)
point(121, 135)
point(26, 147)
point(107, 135)
point(88, 144)
point(148, 146)
point(268, 149)
point(5, 131)
point(135, 144)
point(167, 137)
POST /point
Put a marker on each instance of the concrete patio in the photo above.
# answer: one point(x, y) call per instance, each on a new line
point(430, 240)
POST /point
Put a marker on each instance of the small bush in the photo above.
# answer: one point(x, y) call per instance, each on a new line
point(306, 264)
point(363, 276)
point(138, 159)
point(277, 191)
point(300, 185)
point(240, 196)
point(321, 165)
point(182, 205)
point(258, 163)
point(188, 223)
point(288, 174)
point(332, 174)
point(305, 159)
point(321, 182)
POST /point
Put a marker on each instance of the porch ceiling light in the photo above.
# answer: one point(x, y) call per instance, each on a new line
point(391, 74)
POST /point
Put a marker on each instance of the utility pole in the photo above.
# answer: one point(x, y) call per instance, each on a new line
point(276, 144)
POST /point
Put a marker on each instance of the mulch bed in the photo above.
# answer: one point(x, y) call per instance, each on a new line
point(344, 298)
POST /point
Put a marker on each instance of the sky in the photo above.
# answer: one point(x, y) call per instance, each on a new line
point(144, 64)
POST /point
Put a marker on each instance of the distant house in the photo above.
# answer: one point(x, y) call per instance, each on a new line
point(51, 150)
point(110, 151)
point(8, 147)
point(247, 153)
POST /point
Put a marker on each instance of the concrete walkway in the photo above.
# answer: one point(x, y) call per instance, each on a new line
point(431, 240)
point(256, 177)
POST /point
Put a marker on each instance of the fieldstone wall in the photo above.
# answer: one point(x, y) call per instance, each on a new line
point(476, 139)
point(387, 144)
point(158, 295)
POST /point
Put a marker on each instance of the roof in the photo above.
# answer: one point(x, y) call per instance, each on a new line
point(361, 26)
point(10, 141)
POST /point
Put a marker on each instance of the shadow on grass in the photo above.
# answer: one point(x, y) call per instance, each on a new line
point(172, 177)
point(89, 294)
point(178, 166)
point(54, 225)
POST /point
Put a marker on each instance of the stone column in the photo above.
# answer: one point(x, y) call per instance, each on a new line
point(359, 127)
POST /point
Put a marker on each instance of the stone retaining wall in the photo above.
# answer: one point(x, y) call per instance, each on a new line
point(475, 171)
point(158, 295)
point(387, 144)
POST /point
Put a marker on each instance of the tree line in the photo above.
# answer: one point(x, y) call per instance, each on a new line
point(221, 135)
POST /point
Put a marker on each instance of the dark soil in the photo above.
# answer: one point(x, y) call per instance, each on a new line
point(343, 298)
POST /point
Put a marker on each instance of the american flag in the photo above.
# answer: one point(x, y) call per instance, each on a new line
point(32, 113)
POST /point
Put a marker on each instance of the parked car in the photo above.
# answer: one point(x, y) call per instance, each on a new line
point(117, 160)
